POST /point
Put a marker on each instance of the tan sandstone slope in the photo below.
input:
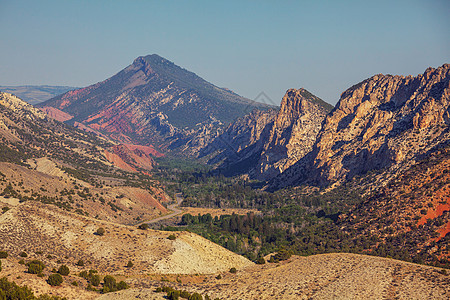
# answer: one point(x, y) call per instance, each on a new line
point(36, 227)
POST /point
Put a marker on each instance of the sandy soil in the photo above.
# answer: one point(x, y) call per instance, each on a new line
point(327, 276)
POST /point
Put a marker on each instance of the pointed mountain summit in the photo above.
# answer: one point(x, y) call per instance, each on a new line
point(152, 100)
point(265, 143)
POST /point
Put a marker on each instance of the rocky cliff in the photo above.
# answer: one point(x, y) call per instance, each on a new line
point(293, 132)
point(264, 144)
point(383, 122)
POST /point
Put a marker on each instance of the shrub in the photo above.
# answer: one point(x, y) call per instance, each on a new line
point(143, 226)
point(130, 264)
point(10, 290)
point(109, 284)
point(260, 261)
point(84, 274)
point(122, 285)
point(185, 294)
point(64, 270)
point(22, 262)
point(35, 267)
point(158, 290)
point(196, 296)
point(219, 276)
point(55, 279)
point(172, 237)
point(282, 254)
point(100, 231)
point(23, 254)
point(80, 263)
point(74, 283)
point(233, 270)
point(94, 279)
point(0, 265)
point(173, 295)
point(3, 254)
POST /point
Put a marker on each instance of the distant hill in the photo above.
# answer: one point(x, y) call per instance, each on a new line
point(35, 94)
point(154, 100)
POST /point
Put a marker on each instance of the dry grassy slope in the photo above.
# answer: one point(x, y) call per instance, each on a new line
point(326, 276)
point(34, 227)
point(44, 177)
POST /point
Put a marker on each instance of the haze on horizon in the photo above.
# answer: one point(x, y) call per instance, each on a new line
point(245, 46)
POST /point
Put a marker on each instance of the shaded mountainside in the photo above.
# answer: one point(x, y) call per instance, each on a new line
point(385, 122)
point(153, 101)
point(264, 144)
point(35, 94)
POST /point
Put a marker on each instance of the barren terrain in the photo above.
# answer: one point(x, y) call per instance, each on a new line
point(326, 276)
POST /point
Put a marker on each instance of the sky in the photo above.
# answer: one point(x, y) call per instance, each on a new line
point(247, 46)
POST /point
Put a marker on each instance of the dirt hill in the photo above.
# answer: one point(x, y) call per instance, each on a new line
point(326, 276)
point(34, 227)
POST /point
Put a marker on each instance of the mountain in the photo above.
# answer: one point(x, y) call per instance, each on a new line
point(35, 94)
point(154, 101)
point(265, 143)
point(44, 160)
point(383, 123)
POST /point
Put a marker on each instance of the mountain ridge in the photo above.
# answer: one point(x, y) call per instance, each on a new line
point(383, 122)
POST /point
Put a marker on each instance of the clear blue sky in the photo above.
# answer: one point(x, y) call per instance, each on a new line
point(247, 46)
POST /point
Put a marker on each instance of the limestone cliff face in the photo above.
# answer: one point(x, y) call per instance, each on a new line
point(264, 144)
point(293, 132)
point(383, 122)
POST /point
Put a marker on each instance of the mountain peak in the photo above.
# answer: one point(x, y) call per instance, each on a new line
point(153, 99)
